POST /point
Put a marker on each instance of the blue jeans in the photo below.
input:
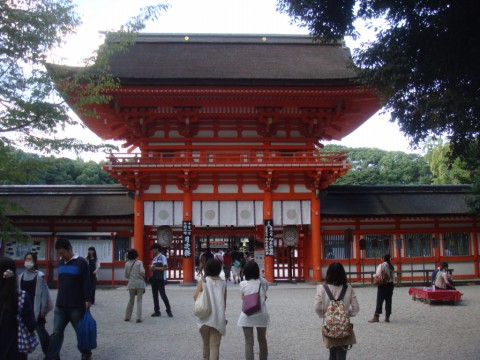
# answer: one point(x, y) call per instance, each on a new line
point(62, 316)
point(158, 286)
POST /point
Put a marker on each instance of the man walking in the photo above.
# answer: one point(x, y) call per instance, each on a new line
point(159, 277)
point(73, 297)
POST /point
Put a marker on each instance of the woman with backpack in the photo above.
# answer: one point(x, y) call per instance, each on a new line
point(336, 288)
point(384, 290)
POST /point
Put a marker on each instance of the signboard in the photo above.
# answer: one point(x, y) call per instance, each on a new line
point(269, 239)
point(17, 250)
point(187, 238)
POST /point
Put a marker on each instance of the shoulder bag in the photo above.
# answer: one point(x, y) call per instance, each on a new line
point(27, 341)
point(202, 303)
point(383, 278)
point(251, 303)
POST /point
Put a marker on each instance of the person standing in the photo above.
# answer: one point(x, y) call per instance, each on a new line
point(10, 311)
point(253, 283)
point(93, 267)
point(336, 281)
point(384, 291)
point(159, 267)
point(135, 273)
point(213, 326)
point(227, 265)
point(237, 263)
point(73, 297)
point(33, 282)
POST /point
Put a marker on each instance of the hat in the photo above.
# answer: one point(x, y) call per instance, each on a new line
point(156, 246)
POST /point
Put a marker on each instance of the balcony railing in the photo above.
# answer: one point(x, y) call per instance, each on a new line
point(215, 159)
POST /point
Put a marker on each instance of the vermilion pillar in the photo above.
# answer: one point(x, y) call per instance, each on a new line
point(316, 239)
point(268, 215)
point(138, 226)
point(188, 262)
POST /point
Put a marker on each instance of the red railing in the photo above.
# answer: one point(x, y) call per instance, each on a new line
point(207, 158)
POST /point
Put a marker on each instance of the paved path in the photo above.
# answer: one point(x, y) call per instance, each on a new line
point(416, 330)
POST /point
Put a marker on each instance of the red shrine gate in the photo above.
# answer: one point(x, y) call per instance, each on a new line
point(223, 136)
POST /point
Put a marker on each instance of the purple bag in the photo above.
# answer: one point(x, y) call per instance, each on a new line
point(251, 303)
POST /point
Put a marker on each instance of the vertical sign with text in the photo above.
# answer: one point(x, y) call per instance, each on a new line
point(187, 238)
point(269, 239)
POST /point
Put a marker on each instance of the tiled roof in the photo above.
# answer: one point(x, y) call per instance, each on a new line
point(243, 59)
point(380, 200)
point(341, 200)
point(68, 201)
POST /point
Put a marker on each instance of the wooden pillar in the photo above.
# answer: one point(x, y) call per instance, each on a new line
point(316, 238)
point(268, 215)
point(138, 226)
point(188, 262)
point(475, 249)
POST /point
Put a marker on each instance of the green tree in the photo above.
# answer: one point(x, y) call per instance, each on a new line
point(372, 166)
point(30, 30)
point(29, 115)
point(444, 168)
point(423, 59)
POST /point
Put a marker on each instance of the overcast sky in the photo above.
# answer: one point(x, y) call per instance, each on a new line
point(211, 16)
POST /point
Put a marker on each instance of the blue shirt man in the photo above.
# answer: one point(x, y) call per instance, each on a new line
point(158, 279)
point(73, 297)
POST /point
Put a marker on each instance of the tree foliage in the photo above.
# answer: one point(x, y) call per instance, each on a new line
point(423, 60)
point(32, 114)
point(371, 166)
point(444, 169)
point(32, 169)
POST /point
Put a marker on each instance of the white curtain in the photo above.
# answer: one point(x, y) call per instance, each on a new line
point(228, 213)
point(246, 211)
point(148, 213)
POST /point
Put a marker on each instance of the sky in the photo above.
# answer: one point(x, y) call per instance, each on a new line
point(211, 16)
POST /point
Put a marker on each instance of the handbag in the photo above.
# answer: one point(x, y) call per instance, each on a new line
point(381, 279)
point(202, 303)
point(251, 303)
point(87, 332)
point(27, 341)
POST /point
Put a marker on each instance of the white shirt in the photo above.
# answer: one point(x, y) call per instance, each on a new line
point(160, 258)
point(216, 288)
point(260, 318)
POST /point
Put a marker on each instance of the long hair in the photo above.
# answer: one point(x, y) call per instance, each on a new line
point(8, 286)
point(94, 257)
point(336, 274)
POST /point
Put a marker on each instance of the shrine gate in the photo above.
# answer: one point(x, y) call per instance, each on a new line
point(223, 137)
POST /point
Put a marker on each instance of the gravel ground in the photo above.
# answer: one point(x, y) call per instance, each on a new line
point(417, 330)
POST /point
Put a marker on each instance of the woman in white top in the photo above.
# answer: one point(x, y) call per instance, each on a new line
point(253, 283)
point(335, 281)
point(384, 291)
point(213, 326)
point(135, 273)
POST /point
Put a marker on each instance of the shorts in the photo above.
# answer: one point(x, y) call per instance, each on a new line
point(235, 270)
